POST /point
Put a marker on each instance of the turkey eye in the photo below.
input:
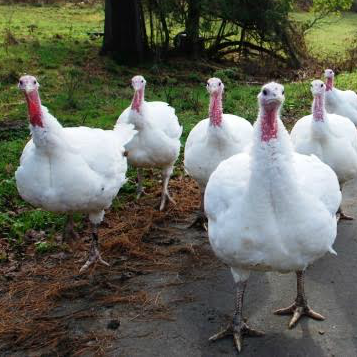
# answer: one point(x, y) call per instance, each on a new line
point(322, 85)
point(142, 81)
point(219, 83)
point(34, 82)
point(265, 92)
point(283, 92)
point(21, 83)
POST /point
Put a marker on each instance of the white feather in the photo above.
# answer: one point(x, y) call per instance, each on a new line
point(270, 209)
point(157, 143)
point(343, 103)
point(333, 141)
point(207, 145)
point(73, 169)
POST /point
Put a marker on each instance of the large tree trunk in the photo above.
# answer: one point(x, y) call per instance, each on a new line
point(193, 27)
point(124, 31)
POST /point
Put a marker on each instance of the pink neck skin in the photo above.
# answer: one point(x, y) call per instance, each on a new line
point(215, 109)
point(329, 84)
point(318, 112)
point(137, 100)
point(34, 108)
point(269, 123)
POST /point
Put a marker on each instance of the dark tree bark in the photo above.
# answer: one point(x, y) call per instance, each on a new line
point(164, 27)
point(193, 27)
point(124, 31)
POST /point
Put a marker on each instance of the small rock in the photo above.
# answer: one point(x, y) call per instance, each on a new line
point(321, 332)
point(113, 324)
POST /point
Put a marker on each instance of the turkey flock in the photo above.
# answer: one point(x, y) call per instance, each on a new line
point(270, 200)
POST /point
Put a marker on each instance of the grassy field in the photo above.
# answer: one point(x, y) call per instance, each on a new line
point(332, 37)
point(79, 87)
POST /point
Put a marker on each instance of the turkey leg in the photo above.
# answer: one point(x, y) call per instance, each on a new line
point(140, 189)
point(69, 232)
point(94, 254)
point(300, 306)
point(166, 174)
point(238, 328)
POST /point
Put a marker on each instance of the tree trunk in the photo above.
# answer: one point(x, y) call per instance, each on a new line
point(124, 31)
point(193, 27)
point(164, 27)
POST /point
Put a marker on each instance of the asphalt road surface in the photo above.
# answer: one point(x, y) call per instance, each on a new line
point(331, 288)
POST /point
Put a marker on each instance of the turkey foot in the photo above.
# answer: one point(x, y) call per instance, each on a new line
point(94, 254)
point(342, 215)
point(199, 222)
point(69, 232)
point(299, 307)
point(237, 330)
point(140, 191)
point(297, 311)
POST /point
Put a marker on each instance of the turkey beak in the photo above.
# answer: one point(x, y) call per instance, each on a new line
point(214, 88)
point(315, 91)
point(136, 86)
point(329, 73)
point(26, 87)
point(276, 98)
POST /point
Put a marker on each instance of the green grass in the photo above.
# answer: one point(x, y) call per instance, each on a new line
point(80, 87)
point(333, 36)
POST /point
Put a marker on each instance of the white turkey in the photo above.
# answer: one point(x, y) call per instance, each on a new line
point(213, 140)
point(259, 206)
point(157, 143)
point(70, 169)
point(331, 137)
point(341, 102)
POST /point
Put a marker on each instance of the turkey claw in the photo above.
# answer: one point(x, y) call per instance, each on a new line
point(237, 332)
point(94, 256)
point(298, 312)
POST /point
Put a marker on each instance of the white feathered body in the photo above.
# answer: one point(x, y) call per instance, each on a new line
point(333, 141)
point(157, 143)
point(208, 145)
point(343, 103)
point(271, 209)
point(72, 169)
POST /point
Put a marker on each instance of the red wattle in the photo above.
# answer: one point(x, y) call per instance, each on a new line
point(329, 84)
point(269, 125)
point(318, 108)
point(34, 108)
point(137, 100)
point(215, 110)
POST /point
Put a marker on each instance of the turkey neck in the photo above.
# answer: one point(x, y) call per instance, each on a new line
point(269, 123)
point(34, 108)
point(138, 100)
point(329, 84)
point(318, 108)
point(272, 173)
point(215, 109)
point(319, 124)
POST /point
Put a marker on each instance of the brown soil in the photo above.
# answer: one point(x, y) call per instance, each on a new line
point(43, 299)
